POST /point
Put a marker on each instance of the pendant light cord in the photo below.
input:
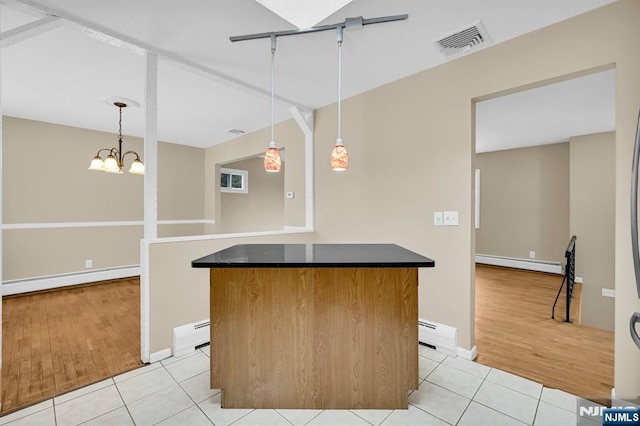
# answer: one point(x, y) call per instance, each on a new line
point(273, 58)
point(339, 29)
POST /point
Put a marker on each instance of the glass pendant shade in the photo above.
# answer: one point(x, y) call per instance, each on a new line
point(272, 160)
point(339, 157)
point(97, 164)
point(137, 168)
point(111, 164)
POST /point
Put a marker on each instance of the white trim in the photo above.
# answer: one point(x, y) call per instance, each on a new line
point(578, 280)
point(131, 43)
point(477, 201)
point(513, 262)
point(306, 124)
point(52, 225)
point(186, 222)
point(468, 354)
point(150, 184)
point(45, 283)
point(618, 402)
point(293, 230)
point(160, 355)
point(144, 301)
point(27, 31)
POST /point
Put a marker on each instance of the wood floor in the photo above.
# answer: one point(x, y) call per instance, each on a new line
point(515, 332)
point(64, 339)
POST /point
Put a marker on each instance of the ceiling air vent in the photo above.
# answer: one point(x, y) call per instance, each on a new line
point(235, 131)
point(463, 40)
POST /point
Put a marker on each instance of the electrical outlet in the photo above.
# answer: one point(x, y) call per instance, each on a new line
point(88, 263)
point(608, 292)
point(437, 218)
point(451, 218)
point(532, 254)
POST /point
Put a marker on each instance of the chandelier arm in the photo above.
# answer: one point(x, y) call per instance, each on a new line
point(103, 149)
point(131, 152)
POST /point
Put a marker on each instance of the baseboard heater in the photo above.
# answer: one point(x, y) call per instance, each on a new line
point(188, 337)
point(443, 338)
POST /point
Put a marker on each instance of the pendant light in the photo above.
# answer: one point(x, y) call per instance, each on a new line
point(272, 160)
point(115, 160)
point(339, 155)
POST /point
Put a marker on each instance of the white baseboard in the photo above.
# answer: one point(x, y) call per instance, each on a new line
point(160, 355)
point(45, 283)
point(512, 262)
point(617, 402)
point(468, 354)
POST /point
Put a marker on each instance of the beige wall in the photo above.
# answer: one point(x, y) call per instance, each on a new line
point(288, 136)
point(46, 181)
point(412, 151)
point(175, 284)
point(524, 205)
point(593, 222)
point(180, 182)
point(262, 208)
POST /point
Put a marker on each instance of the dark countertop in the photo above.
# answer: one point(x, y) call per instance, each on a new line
point(314, 256)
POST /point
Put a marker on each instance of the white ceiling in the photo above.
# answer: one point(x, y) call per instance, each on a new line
point(548, 114)
point(65, 74)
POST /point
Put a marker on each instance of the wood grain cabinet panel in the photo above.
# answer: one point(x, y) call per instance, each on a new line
point(314, 337)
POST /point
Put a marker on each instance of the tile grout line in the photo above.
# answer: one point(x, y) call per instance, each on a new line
point(474, 395)
point(126, 407)
point(194, 401)
point(281, 415)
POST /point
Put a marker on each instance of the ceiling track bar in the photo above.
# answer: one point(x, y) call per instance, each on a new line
point(349, 22)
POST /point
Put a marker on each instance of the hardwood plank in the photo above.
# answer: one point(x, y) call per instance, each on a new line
point(60, 340)
point(515, 333)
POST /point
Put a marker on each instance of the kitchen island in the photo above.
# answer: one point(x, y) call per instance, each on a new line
point(327, 326)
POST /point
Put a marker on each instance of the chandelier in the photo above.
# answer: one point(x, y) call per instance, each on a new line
point(115, 160)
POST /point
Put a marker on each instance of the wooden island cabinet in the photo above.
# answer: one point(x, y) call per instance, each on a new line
point(326, 326)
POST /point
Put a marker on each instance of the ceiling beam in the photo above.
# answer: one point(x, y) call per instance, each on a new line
point(133, 43)
point(26, 31)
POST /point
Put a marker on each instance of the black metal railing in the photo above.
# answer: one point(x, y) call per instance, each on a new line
point(569, 278)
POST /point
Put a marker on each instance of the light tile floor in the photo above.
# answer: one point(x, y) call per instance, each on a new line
point(176, 391)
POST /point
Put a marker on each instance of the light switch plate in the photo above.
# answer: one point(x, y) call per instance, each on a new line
point(290, 194)
point(437, 218)
point(451, 218)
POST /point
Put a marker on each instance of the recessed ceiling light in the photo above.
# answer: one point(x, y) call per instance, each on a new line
point(304, 13)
